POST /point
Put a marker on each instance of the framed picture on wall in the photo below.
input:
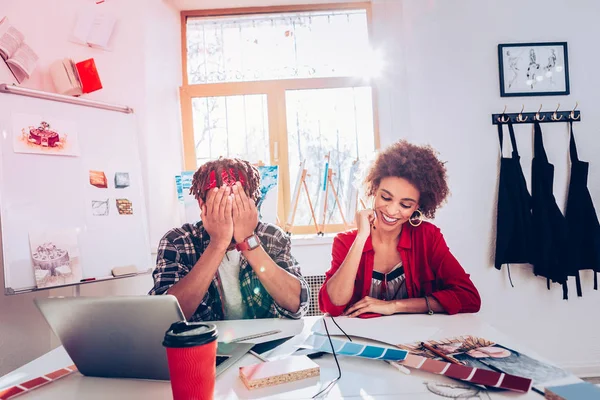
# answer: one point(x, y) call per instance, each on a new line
point(533, 69)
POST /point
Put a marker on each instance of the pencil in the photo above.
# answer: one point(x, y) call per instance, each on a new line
point(399, 367)
point(255, 354)
point(255, 336)
point(439, 353)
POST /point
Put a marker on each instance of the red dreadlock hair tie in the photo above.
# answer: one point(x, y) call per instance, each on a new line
point(229, 178)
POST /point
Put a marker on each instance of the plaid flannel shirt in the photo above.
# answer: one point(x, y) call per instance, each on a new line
point(181, 248)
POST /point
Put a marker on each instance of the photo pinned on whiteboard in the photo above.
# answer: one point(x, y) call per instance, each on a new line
point(122, 180)
point(33, 134)
point(124, 207)
point(100, 208)
point(55, 257)
point(98, 179)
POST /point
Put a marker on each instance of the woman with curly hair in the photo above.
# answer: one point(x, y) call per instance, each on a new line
point(394, 262)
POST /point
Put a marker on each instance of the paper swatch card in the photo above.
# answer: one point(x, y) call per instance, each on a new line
point(581, 390)
point(346, 348)
point(469, 374)
point(32, 384)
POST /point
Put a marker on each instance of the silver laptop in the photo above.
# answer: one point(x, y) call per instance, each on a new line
point(121, 336)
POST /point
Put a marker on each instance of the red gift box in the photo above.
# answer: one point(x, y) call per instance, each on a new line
point(88, 75)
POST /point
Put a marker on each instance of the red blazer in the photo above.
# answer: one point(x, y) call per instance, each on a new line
point(429, 267)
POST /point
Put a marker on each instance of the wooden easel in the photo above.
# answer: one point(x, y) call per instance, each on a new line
point(299, 186)
point(328, 184)
point(353, 196)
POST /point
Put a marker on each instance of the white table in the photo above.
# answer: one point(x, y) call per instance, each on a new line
point(364, 379)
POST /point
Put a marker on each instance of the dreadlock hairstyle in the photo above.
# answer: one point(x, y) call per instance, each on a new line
point(224, 171)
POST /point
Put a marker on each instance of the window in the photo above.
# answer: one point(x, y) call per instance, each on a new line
point(284, 86)
point(231, 125)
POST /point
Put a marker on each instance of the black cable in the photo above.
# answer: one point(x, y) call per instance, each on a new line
point(336, 324)
point(329, 385)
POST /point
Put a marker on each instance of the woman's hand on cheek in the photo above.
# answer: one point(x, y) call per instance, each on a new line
point(364, 220)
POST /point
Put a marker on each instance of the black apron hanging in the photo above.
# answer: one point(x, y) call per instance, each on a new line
point(550, 237)
point(582, 220)
point(514, 224)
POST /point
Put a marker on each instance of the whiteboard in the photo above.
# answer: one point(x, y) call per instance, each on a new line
point(44, 194)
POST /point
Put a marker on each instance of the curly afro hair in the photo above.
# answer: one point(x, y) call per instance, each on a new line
point(242, 171)
point(417, 164)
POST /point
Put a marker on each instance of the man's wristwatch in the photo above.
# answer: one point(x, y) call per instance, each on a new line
point(250, 243)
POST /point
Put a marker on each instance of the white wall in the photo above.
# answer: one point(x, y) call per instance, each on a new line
point(442, 86)
point(143, 71)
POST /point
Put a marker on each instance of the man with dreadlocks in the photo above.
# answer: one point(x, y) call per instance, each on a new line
point(230, 265)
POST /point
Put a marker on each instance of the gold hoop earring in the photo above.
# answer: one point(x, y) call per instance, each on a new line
point(419, 220)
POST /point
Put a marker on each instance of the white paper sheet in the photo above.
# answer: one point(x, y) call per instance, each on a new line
point(378, 329)
point(235, 329)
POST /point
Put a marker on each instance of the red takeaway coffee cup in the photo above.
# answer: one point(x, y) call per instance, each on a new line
point(192, 356)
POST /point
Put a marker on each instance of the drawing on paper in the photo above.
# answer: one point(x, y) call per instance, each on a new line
point(98, 179)
point(122, 180)
point(484, 354)
point(512, 362)
point(191, 209)
point(267, 205)
point(100, 208)
point(33, 134)
point(55, 258)
point(124, 207)
point(533, 69)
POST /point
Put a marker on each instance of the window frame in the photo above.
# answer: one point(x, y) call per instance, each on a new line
point(275, 90)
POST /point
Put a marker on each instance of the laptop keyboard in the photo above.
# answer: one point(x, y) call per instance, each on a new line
point(221, 359)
